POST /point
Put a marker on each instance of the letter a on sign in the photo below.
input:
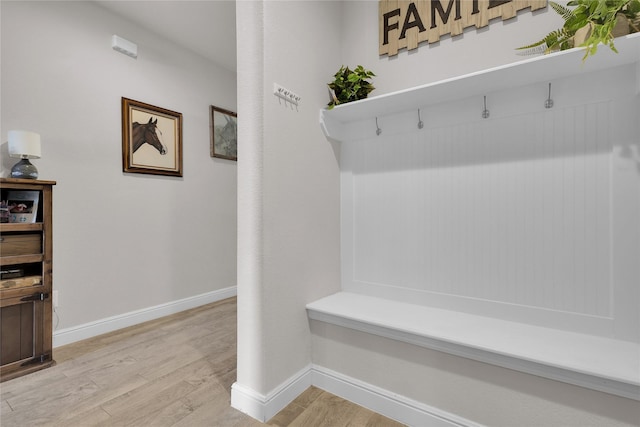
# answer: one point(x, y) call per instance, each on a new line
point(405, 24)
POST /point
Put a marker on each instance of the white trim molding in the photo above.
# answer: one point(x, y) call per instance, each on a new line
point(109, 324)
point(400, 408)
point(384, 402)
point(264, 407)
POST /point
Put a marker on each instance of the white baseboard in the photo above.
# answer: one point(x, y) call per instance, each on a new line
point(391, 405)
point(264, 407)
point(109, 324)
point(385, 402)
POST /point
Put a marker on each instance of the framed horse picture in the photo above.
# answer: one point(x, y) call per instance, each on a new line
point(224, 133)
point(151, 139)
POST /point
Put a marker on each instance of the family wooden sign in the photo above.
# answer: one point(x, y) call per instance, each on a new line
point(406, 24)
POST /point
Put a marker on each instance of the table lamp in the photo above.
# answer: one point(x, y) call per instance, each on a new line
point(24, 145)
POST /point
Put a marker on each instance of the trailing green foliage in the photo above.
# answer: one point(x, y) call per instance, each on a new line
point(556, 40)
point(565, 12)
point(350, 85)
point(595, 18)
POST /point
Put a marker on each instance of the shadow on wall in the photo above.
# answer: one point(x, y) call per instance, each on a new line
point(519, 127)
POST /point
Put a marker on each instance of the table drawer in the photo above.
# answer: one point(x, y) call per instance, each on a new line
point(20, 244)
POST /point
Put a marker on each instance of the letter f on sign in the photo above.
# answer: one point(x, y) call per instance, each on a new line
point(388, 27)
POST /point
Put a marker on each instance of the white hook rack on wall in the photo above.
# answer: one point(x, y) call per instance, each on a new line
point(286, 94)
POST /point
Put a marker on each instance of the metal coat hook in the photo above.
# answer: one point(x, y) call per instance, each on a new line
point(420, 122)
point(549, 102)
point(485, 112)
point(378, 130)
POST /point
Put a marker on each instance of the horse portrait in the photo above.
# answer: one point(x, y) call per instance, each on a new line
point(151, 139)
point(147, 134)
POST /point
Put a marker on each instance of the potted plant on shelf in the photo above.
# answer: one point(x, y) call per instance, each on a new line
point(590, 23)
point(349, 85)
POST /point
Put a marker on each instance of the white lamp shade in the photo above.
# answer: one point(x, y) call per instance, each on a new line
point(24, 144)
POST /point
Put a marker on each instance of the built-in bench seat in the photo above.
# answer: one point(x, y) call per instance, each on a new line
point(598, 363)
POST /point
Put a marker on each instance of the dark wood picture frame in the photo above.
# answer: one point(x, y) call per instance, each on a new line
point(224, 133)
point(151, 139)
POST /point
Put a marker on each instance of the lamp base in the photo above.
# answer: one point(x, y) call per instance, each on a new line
point(24, 170)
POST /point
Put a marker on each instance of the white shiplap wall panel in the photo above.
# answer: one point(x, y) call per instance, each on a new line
point(528, 216)
point(513, 210)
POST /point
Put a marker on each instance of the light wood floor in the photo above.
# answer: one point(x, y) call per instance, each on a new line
point(174, 371)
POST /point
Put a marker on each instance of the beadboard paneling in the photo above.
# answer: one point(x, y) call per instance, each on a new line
point(524, 220)
point(510, 216)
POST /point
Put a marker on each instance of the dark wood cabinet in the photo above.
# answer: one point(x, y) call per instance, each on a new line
point(26, 284)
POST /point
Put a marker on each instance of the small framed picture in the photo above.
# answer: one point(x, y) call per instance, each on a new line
point(22, 206)
point(151, 139)
point(224, 133)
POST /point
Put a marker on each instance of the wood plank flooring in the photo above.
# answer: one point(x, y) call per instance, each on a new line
point(174, 371)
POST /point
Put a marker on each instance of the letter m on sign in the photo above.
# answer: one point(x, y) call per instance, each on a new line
point(404, 24)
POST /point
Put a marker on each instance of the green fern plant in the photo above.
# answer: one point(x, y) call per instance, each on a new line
point(348, 85)
point(596, 19)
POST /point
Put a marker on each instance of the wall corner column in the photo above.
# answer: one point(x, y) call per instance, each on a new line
point(250, 54)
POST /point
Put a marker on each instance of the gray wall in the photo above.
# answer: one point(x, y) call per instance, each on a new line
point(122, 242)
point(288, 216)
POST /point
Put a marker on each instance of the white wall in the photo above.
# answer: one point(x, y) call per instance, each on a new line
point(288, 216)
point(122, 242)
point(301, 189)
point(525, 216)
point(481, 393)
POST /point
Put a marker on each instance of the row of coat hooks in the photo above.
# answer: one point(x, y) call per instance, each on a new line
point(485, 112)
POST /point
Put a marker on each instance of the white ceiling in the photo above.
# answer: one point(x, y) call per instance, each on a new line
point(207, 27)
